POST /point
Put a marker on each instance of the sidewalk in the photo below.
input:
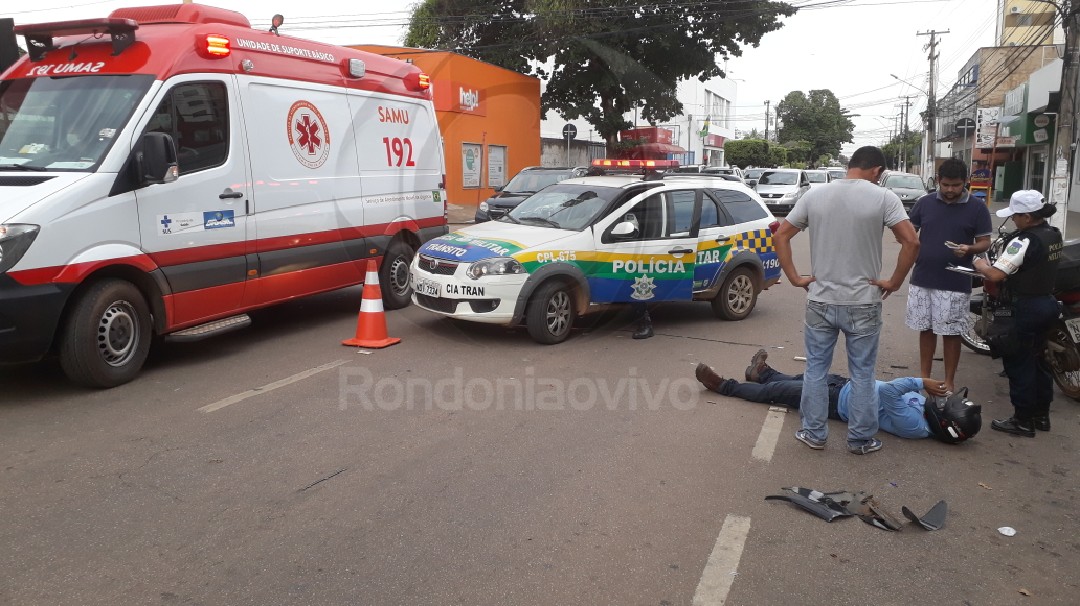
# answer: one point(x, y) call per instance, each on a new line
point(460, 216)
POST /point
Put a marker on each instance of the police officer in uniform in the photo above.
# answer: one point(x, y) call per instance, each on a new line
point(1028, 266)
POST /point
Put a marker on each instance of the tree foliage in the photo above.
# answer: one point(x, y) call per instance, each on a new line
point(601, 58)
point(817, 119)
point(747, 152)
point(903, 147)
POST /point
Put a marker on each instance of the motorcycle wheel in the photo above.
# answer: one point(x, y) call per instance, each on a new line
point(971, 338)
point(1067, 380)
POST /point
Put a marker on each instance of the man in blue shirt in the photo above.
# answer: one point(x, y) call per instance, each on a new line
point(953, 227)
point(902, 410)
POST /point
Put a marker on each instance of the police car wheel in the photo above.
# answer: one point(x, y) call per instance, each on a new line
point(106, 335)
point(550, 313)
point(394, 275)
point(737, 296)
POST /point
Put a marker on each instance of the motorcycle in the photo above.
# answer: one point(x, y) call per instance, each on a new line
point(1062, 339)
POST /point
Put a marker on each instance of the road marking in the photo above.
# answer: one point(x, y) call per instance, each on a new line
point(240, 397)
point(723, 562)
point(770, 433)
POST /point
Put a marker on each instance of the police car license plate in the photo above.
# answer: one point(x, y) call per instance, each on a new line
point(427, 287)
point(1073, 325)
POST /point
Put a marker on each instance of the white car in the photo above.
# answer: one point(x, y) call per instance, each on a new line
point(781, 188)
point(586, 243)
point(818, 177)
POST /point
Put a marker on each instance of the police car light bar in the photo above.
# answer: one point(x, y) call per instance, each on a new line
point(636, 163)
point(39, 36)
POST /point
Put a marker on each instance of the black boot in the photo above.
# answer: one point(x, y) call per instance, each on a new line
point(644, 328)
point(1017, 427)
point(1041, 423)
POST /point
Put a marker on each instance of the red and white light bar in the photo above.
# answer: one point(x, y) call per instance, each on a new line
point(604, 163)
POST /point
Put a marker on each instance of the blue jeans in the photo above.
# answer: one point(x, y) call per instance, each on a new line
point(861, 325)
point(1031, 386)
point(775, 387)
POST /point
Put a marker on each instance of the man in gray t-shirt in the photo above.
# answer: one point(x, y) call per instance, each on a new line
point(846, 220)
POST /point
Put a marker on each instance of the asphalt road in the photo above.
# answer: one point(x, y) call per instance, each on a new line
point(468, 465)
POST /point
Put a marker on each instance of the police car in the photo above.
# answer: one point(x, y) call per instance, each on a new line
point(582, 244)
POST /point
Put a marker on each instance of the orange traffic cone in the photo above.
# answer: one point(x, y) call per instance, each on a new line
point(371, 324)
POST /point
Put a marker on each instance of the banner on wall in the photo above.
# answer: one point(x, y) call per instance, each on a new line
point(470, 165)
point(496, 165)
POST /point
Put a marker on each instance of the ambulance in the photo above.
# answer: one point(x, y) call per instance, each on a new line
point(167, 169)
point(589, 243)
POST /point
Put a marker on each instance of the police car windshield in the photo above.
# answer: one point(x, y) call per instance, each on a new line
point(565, 206)
point(65, 123)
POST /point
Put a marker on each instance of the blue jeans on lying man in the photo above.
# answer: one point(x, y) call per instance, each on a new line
point(861, 325)
point(775, 387)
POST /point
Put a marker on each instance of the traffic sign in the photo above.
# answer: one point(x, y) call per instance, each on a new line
point(965, 125)
point(569, 131)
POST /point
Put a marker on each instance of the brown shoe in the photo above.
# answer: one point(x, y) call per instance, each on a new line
point(708, 377)
point(757, 366)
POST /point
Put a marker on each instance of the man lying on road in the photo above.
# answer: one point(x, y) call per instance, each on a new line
point(902, 410)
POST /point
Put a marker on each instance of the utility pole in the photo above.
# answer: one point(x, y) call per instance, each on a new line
point(766, 121)
point(901, 162)
point(1064, 142)
point(904, 135)
point(931, 102)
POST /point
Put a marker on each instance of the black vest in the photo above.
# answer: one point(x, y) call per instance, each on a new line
point(1037, 274)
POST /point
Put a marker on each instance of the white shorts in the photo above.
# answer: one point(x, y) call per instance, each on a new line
point(944, 311)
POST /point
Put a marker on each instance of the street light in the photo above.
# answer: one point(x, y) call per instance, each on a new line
point(910, 84)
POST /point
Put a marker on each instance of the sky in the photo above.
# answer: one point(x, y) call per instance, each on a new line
point(850, 48)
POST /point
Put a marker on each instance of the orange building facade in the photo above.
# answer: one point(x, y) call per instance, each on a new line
point(489, 118)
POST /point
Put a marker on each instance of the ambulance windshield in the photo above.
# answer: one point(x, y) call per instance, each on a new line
point(64, 123)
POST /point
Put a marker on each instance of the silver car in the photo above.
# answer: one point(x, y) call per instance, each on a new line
point(905, 185)
point(781, 188)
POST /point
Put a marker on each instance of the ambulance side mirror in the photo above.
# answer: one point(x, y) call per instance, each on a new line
point(156, 160)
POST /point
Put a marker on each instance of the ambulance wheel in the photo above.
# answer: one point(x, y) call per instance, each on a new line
point(394, 275)
point(107, 335)
point(737, 297)
point(550, 313)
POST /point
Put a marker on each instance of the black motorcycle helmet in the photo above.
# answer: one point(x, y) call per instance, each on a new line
point(954, 418)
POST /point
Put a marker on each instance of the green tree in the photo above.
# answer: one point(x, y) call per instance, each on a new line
point(754, 134)
point(798, 151)
point(817, 118)
point(601, 58)
point(747, 152)
point(901, 148)
point(777, 156)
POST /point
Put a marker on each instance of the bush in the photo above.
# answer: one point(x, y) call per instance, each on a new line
point(747, 152)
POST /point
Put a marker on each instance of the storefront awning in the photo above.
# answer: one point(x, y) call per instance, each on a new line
point(659, 148)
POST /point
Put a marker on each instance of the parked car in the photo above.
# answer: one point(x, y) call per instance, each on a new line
point(725, 170)
point(780, 188)
point(524, 184)
point(750, 176)
point(907, 186)
point(837, 172)
point(586, 244)
point(818, 177)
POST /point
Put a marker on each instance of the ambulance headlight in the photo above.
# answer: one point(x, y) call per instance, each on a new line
point(15, 238)
point(484, 206)
point(499, 266)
